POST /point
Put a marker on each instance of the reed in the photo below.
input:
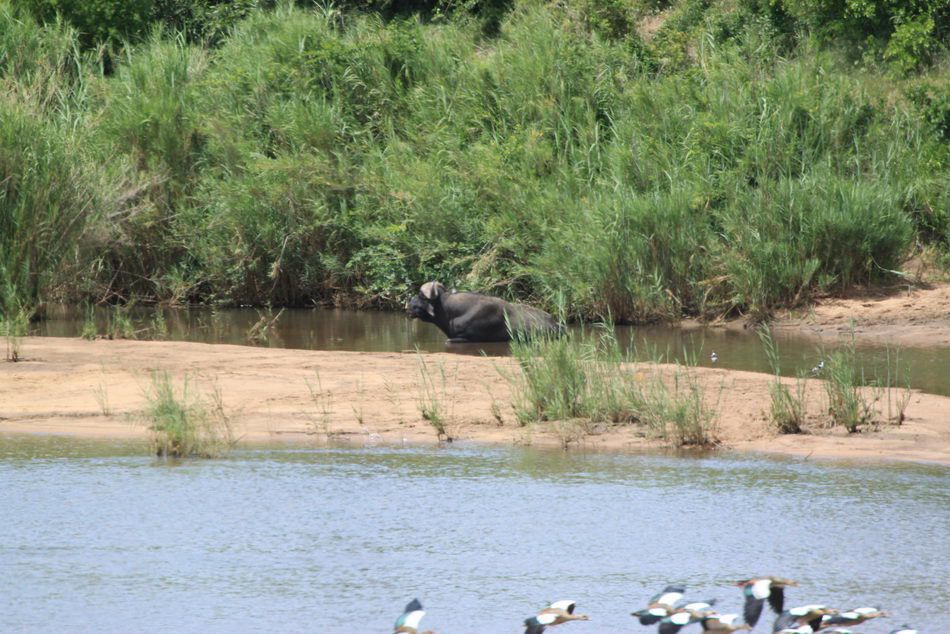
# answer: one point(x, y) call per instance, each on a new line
point(433, 402)
point(787, 408)
point(575, 380)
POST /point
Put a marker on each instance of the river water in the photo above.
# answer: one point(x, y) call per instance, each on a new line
point(925, 368)
point(99, 537)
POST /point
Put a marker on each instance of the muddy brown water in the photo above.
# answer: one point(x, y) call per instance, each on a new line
point(99, 537)
point(927, 369)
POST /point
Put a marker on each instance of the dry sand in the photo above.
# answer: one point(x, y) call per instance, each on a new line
point(97, 389)
point(905, 315)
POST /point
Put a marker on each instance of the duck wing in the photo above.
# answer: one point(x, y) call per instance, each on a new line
point(673, 623)
point(651, 616)
point(411, 616)
point(777, 599)
point(533, 626)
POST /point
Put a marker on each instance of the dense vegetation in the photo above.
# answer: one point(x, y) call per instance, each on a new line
point(642, 158)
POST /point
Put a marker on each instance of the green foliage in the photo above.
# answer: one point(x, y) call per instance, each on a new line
point(97, 21)
point(846, 404)
point(909, 33)
point(787, 410)
point(334, 156)
point(577, 378)
point(183, 423)
point(14, 325)
point(45, 203)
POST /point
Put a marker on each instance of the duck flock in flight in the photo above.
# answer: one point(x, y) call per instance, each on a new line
point(671, 612)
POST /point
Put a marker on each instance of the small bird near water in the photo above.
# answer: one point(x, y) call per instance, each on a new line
point(555, 614)
point(714, 357)
point(757, 590)
point(818, 368)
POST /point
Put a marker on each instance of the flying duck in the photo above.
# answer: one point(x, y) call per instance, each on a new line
point(805, 619)
point(408, 621)
point(852, 617)
point(660, 606)
point(555, 614)
point(757, 590)
point(723, 623)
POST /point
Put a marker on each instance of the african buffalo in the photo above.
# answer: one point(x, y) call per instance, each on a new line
point(470, 317)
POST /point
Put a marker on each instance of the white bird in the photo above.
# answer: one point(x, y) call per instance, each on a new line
point(660, 606)
point(714, 357)
point(818, 368)
point(852, 617)
point(804, 619)
point(555, 614)
point(723, 623)
point(757, 590)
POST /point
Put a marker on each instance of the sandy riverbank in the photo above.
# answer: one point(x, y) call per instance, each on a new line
point(63, 386)
point(904, 315)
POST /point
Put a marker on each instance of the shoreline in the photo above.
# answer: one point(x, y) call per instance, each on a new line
point(96, 389)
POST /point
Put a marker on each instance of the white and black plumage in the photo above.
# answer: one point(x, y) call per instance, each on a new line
point(759, 589)
point(408, 621)
point(555, 614)
point(805, 619)
point(852, 617)
point(723, 623)
point(714, 357)
point(660, 606)
point(674, 622)
point(904, 629)
point(818, 368)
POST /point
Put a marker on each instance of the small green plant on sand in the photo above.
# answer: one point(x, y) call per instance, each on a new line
point(895, 389)
point(787, 408)
point(121, 325)
point(321, 400)
point(89, 332)
point(433, 403)
point(183, 423)
point(676, 409)
point(13, 327)
point(101, 392)
point(846, 404)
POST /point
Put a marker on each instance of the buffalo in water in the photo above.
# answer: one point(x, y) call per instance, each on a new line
point(472, 317)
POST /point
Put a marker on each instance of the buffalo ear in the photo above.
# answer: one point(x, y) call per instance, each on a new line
point(431, 290)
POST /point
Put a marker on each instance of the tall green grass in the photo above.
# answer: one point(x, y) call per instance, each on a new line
point(184, 423)
point(318, 156)
point(586, 379)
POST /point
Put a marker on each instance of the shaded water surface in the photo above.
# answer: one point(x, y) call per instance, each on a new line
point(99, 538)
point(927, 369)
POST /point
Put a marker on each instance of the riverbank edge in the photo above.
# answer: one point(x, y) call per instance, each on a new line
point(96, 389)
